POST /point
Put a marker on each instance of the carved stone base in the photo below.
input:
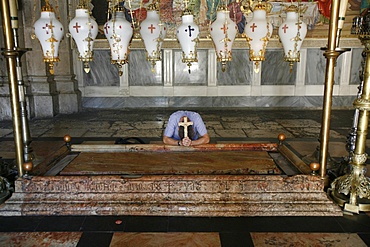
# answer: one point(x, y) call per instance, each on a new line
point(171, 195)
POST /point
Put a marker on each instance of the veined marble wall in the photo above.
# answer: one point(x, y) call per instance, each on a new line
point(169, 84)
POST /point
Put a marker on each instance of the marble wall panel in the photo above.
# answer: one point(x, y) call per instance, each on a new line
point(198, 71)
point(238, 71)
point(140, 70)
point(275, 71)
point(316, 67)
point(102, 72)
point(194, 102)
point(189, 102)
point(356, 66)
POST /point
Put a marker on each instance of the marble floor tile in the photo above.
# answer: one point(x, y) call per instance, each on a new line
point(73, 132)
point(311, 132)
point(139, 133)
point(267, 133)
point(76, 123)
point(5, 132)
point(241, 118)
point(30, 239)
point(41, 123)
point(212, 133)
point(193, 239)
point(38, 132)
point(269, 125)
point(214, 125)
point(307, 239)
point(238, 125)
point(118, 125)
point(295, 123)
point(230, 133)
point(99, 133)
point(149, 125)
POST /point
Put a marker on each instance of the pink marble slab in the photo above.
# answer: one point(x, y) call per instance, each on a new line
point(184, 239)
point(306, 239)
point(40, 239)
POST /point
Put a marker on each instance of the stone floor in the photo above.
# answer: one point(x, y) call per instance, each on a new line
point(301, 128)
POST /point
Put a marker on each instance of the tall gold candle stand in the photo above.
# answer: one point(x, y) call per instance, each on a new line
point(331, 55)
point(11, 54)
point(352, 191)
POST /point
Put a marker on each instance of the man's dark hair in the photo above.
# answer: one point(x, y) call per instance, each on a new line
point(190, 132)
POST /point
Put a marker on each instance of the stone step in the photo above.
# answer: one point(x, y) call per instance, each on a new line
point(172, 195)
point(170, 209)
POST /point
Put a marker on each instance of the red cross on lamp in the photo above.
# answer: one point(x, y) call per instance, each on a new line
point(84, 30)
point(49, 31)
point(292, 32)
point(258, 32)
point(187, 35)
point(223, 32)
point(152, 32)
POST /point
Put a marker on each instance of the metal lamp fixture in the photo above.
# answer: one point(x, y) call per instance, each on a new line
point(152, 32)
point(119, 34)
point(292, 32)
point(187, 35)
point(223, 32)
point(49, 31)
point(84, 30)
point(258, 33)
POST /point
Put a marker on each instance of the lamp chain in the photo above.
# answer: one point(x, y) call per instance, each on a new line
point(132, 16)
point(211, 15)
point(33, 35)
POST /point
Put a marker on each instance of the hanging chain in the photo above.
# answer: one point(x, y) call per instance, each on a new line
point(132, 16)
point(33, 35)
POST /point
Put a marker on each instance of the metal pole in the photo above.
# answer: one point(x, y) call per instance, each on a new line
point(11, 57)
point(26, 136)
point(331, 55)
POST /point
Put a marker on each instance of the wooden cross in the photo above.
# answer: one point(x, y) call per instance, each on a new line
point(185, 124)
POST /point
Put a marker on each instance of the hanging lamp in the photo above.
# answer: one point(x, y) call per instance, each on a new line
point(119, 34)
point(187, 35)
point(152, 32)
point(84, 30)
point(223, 31)
point(49, 31)
point(291, 33)
point(258, 32)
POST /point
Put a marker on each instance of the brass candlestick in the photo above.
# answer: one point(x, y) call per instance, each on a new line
point(11, 54)
point(352, 191)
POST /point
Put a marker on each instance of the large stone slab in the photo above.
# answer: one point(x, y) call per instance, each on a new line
point(172, 195)
point(167, 163)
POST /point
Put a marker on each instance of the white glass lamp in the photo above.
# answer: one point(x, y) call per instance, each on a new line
point(292, 32)
point(84, 30)
point(258, 32)
point(223, 32)
point(49, 31)
point(187, 35)
point(119, 34)
point(152, 32)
